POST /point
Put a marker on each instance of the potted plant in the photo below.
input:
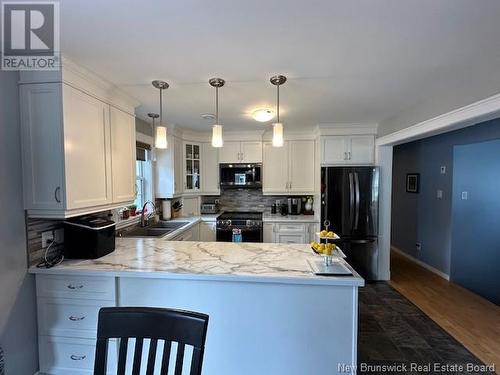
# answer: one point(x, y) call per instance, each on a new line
point(133, 209)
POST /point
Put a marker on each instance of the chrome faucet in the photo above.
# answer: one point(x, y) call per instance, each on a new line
point(144, 221)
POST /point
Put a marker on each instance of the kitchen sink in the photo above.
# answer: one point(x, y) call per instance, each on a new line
point(159, 229)
point(169, 224)
point(146, 232)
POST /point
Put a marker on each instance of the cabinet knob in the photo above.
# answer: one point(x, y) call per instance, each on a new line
point(57, 194)
point(71, 286)
point(77, 357)
point(76, 318)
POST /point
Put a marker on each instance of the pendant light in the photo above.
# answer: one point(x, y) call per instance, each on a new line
point(161, 131)
point(278, 140)
point(217, 140)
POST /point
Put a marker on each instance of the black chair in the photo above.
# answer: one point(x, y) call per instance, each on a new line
point(183, 327)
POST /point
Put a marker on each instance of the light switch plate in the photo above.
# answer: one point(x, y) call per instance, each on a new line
point(465, 195)
point(443, 169)
point(439, 194)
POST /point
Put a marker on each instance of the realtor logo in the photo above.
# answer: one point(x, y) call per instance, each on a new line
point(30, 35)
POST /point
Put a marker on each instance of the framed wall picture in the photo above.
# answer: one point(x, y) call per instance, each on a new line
point(413, 182)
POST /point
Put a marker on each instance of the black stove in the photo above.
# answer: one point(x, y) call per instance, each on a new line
point(250, 224)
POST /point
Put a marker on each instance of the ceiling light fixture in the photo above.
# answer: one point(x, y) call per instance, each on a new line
point(278, 140)
point(217, 140)
point(263, 114)
point(161, 131)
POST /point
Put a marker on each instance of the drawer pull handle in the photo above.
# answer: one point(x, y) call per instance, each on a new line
point(73, 287)
point(77, 357)
point(76, 318)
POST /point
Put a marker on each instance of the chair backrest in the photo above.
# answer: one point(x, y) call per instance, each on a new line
point(140, 323)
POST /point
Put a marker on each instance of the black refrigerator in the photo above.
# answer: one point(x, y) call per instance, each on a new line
point(349, 200)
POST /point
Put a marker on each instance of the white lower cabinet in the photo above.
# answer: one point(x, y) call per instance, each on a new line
point(291, 233)
point(208, 231)
point(190, 234)
point(68, 309)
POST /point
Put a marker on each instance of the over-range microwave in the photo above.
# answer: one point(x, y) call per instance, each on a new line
point(239, 176)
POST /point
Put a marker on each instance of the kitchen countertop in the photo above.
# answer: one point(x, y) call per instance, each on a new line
point(270, 218)
point(222, 261)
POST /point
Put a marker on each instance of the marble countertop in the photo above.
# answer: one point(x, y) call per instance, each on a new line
point(277, 218)
point(223, 261)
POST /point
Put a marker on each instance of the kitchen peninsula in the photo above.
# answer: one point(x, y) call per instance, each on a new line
point(269, 314)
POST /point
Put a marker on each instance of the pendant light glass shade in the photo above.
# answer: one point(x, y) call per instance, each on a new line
point(278, 140)
point(161, 131)
point(217, 140)
point(161, 137)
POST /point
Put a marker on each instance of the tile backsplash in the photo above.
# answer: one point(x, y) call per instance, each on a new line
point(244, 200)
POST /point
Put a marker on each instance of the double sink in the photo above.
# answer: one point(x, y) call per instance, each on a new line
point(155, 230)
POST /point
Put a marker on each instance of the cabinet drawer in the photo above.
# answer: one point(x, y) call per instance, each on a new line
point(291, 238)
point(84, 287)
point(69, 317)
point(297, 228)
point(187, 235)
point(69, 356)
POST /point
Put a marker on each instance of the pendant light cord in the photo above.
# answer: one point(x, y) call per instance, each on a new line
point(161, 107)
point(278, 102)
point(217, 106)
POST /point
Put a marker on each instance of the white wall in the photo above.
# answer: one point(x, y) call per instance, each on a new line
point(17, 298)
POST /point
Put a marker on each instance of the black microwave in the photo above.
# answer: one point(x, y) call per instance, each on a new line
point(237, 176)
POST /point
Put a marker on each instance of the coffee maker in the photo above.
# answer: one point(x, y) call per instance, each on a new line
point(294, 206)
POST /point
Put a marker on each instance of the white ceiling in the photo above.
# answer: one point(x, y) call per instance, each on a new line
point(346, 60)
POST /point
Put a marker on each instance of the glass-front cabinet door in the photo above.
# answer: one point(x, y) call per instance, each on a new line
point(192, 166)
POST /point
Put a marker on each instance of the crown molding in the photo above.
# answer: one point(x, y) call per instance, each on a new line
point(346, 129)
point(483, 110)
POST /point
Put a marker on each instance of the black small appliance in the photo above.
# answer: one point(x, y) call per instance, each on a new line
point(237, 176)
point(88, 237)
point(294, 206)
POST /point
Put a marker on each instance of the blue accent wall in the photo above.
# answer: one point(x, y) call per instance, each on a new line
point(423, 217)
point(475, 247)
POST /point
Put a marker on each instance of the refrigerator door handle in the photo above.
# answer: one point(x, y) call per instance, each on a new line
point(356, 219)
point(351, 201)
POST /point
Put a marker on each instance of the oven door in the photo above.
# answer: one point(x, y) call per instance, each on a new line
point(247, 234)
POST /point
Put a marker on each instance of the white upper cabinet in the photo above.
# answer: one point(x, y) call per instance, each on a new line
point(350, 150)
point(210, 169)
point(78, 150)
point(241, 152)
point(251, 152)
point(87, 150)
point(230, 152)
point(169, 168)
point(301, 169)
point(192, 167)
point(289, 169)
point(275, 169)
point(123, 156)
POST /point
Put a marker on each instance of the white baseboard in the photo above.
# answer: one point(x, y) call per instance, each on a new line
point(420, 263)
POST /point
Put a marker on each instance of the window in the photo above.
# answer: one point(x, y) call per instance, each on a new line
point(144, 173)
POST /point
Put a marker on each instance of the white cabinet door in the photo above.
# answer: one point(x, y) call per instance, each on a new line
point(210, 169)
point(290, 238)
point(42, 146)
point(268, 233)
point(362, 149)
point(207, 231)
point(275, 169)
point(251, 152)
point(230, 153)
point(123, 155)
point(87, 150)
point(334, 149)
point(301, 170)
point(178, 165)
